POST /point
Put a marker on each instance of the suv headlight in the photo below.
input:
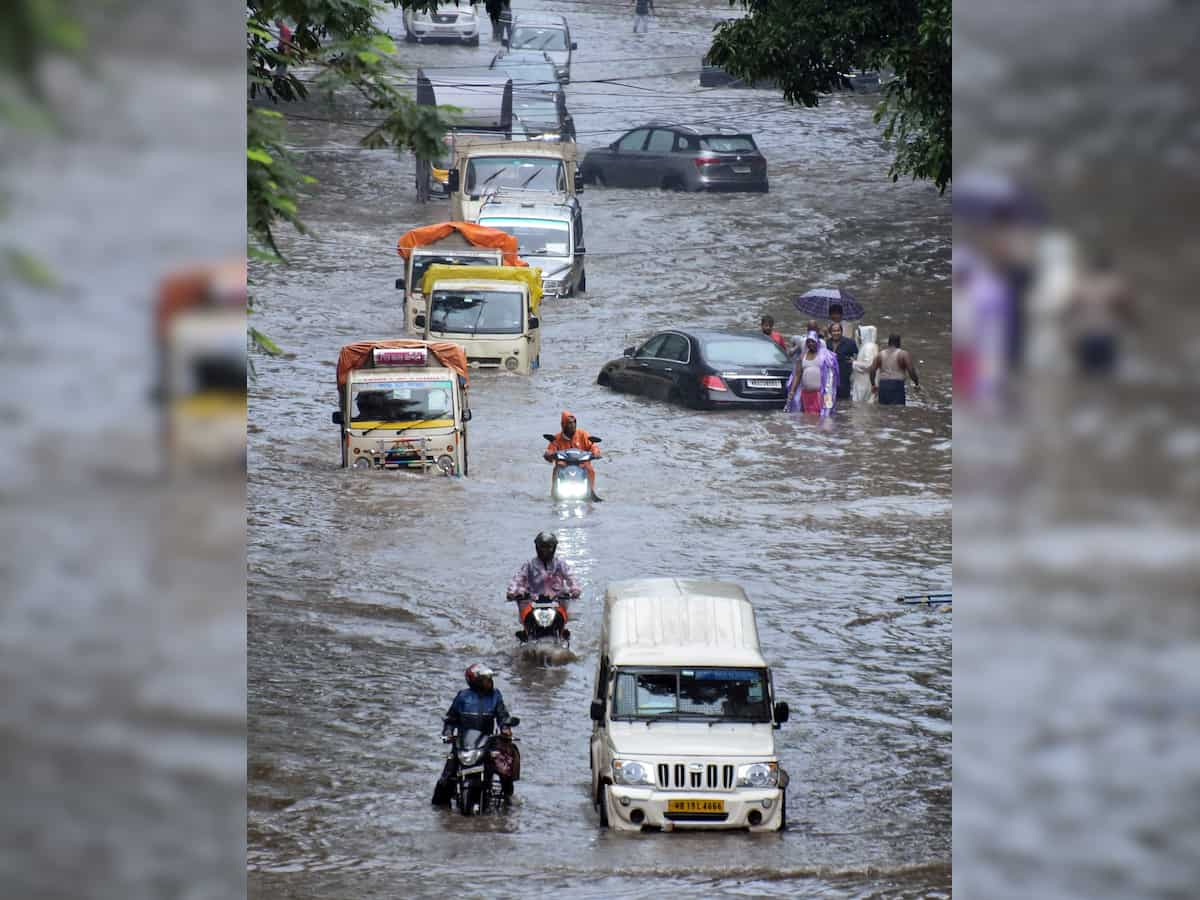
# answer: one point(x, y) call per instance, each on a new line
point(631, 772)
point(758, 775)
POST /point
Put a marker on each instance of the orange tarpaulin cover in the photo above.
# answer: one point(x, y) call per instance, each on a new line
point(357, 355)
point(221, 284)
point(479, 235)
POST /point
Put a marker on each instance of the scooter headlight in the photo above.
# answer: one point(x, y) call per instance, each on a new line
point(631, 772)
point(543, 617)
point(758, 775)
point(573, 490)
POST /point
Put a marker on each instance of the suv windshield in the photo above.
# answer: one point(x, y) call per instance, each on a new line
point(477, 312)
point(687, 693)
point(529, 37)
point(535, 237)
point(401, 401)
point(745, 352)
point(720, 143)
point(422, 263)
point(528, 172)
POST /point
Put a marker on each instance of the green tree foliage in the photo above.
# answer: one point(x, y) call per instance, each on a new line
point(806, 45)
point(339, 53)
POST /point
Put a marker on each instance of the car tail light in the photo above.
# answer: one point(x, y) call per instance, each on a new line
point(702, 161)
point(713, 383)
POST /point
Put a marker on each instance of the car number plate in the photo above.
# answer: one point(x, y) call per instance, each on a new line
point(696, 806)
point(742, 170)
point(764, 383)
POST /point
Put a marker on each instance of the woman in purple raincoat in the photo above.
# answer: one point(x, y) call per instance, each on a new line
point(813, 385)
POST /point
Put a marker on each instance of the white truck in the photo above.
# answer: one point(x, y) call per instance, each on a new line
point(683, 711)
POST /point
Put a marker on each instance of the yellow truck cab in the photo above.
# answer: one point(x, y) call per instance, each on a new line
point(491, 312)
point(481, 165)
point(201, 382)
point(683, 711)
point(403, 404)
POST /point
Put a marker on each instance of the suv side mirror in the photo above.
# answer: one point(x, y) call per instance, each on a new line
point(400, 283)
point(597, 711)
point(534, 324)
point(781, 714)
point(452, 184)
point(629, 351)
point(466, 415)
point(419, 320)
point(578, 182)
point(574, 45)
point(337, 417)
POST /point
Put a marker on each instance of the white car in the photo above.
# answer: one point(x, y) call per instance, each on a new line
point(457, 24)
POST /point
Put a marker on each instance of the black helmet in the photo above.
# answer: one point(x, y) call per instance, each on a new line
point(545, 539)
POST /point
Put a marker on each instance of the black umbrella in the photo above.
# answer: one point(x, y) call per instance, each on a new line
point(816, 303)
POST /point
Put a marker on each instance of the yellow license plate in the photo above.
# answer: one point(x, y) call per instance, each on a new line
point(696, 806)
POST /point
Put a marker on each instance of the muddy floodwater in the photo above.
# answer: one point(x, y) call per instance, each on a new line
point(369, 593)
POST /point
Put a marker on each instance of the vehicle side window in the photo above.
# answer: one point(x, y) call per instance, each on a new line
point(579, 232)
point(684, 143)
point(660, 141)
point(675, 347)
point(634, 140)
point(652, 347)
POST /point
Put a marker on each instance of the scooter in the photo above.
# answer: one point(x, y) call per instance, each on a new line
point(569, 480)
point(482, 759)
point(544, 619)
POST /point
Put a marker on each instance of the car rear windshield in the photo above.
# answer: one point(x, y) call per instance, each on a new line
point(728, 143)
point(746, 352)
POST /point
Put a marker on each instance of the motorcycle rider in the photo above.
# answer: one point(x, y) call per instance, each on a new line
point(573, 438)
point(480, 706)
point(542, 575)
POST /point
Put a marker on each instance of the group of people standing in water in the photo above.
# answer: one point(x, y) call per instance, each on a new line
point(832, 367)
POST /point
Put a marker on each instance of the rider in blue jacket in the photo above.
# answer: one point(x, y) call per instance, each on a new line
point(480, 707)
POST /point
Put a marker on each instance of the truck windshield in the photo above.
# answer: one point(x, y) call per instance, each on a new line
point(401, 401)
point(421, 263)
point(524, 172)
point(477, 312)
point(731, 694)
point(536, 237)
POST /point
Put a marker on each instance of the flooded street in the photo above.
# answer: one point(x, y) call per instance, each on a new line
point(369, 593)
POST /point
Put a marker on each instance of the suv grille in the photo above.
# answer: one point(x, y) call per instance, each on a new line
point(685, 777)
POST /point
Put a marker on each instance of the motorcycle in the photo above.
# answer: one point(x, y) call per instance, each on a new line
point(569, 480)
point(481, 760)
point(544, 618)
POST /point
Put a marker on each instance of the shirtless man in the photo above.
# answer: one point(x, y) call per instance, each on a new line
point(889, 371)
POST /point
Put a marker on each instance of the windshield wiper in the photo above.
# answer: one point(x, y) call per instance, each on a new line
point(488, 180)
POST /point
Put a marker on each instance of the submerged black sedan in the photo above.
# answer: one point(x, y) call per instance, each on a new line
point(703, 370)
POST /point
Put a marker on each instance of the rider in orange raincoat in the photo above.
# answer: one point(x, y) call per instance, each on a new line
point(573, 438)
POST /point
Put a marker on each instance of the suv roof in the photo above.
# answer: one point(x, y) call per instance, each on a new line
point(679, 621)
point(529, 204)
point(694, 129)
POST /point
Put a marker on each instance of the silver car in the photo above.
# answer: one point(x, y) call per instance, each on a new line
point(544, 34)
point(679, 157)
point(549, 229)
